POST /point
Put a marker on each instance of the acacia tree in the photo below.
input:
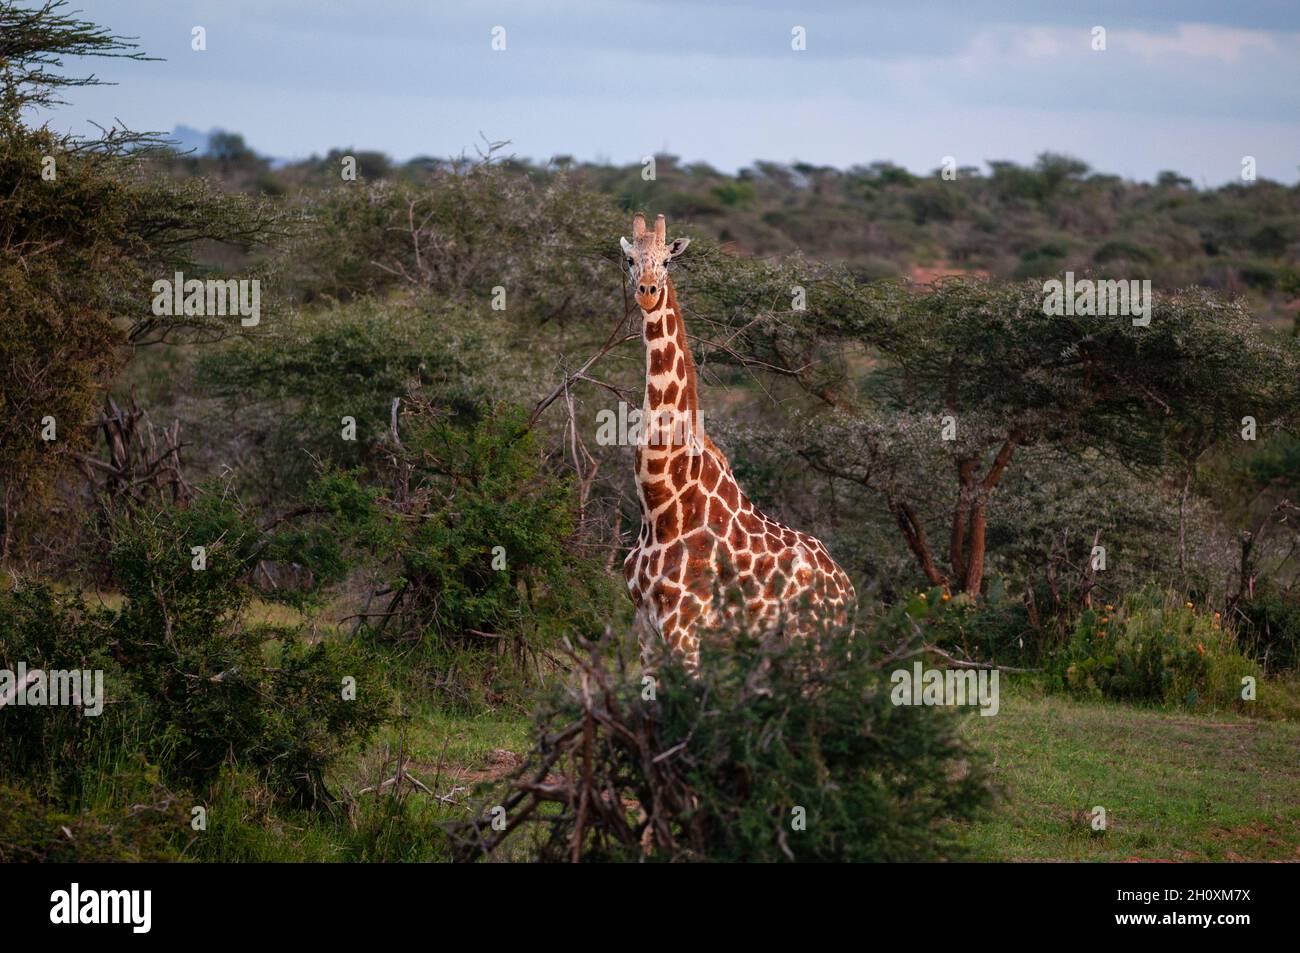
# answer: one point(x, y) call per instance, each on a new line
point(961, 377)
point(976, 371)
point(84, 231)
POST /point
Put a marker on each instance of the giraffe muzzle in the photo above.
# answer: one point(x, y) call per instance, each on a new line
point(648, 294)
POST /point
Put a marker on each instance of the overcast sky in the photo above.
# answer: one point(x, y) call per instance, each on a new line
point(1190, 85)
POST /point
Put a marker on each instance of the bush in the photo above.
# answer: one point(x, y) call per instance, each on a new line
point(292, 385)
point(250, 823)
point(31, 831)
point(1157, 649)
point(78, 256)
point(1276, 460)
point(735, 194)
point(992, 629)
point(491, 562)
point(1040, 262)
point(49, 746)
point(436, 236)
point(220, 688)
point(1270, 627)
point(1122, 250)
point(190, 685)
point(722, 767)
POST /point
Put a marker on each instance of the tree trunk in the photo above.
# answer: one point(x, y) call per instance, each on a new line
point(975, 553)
point(914, 535)
point(973, 578)
point(1182, 527)
point(965, 493)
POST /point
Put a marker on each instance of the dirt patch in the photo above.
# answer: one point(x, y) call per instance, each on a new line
point(928, 274)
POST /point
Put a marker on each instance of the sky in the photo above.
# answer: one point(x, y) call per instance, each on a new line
point(1191, 85)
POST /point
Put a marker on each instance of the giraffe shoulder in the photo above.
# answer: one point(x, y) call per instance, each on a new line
point(718, 454)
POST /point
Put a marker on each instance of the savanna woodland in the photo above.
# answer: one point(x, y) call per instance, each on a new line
point(352, 571)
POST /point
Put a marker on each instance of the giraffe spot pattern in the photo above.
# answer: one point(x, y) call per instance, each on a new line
point(699, 530)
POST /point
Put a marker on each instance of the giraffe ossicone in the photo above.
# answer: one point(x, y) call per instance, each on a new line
point(700, 535)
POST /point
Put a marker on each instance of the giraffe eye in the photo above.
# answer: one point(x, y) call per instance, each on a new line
point(630, 263)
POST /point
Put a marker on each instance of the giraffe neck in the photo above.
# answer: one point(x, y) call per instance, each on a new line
point(676, 463)
point(670, 414)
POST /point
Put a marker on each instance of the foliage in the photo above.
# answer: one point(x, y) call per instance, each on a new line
point(1154, 649)
point(249, 823)
point(31, 831)
point(992, 629)
point(444, 234)
point(180, 659)
point(51, 744)
point(485, 537)
point(1275, 462)
point(216, 683)
point(33, 42)
point(1269, 623)
point(723, 766)
point(79, 252)
point(290, 388)
point(984, 361)
point(880, 215)
point(489, 557)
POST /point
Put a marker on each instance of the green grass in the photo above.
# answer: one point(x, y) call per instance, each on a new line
point(443, 745)
point(1181, 786)
point(1175, 786)
point(450, 753)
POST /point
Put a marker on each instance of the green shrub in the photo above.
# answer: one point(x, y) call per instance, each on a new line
point(1270, 627)
point(495, 564)
point(933, 201)
point(1040, 262)
point(992, 629)
point(188, 680)
point(249, 822)
point(32, 831)
point(293, 384)
point(50, 745)
point(1122, 250)
point(1275, 460)
point(78, 255)
point(1156, 649)
point(222, 689)
point(191, 689)
point(734, 194)
point(437, 235)
point(724, 766)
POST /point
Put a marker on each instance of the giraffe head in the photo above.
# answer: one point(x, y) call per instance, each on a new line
point(646, 259)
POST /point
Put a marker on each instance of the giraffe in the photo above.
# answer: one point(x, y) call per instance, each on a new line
point(700, 535)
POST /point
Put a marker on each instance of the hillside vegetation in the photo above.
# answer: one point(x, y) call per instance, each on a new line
point(342, 564)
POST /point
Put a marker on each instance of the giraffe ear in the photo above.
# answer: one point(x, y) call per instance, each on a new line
point(677, 247)
point(626, 245)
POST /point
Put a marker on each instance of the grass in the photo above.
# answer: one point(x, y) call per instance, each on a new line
point(444, 746)
point(448, 752)
point(1175, 786)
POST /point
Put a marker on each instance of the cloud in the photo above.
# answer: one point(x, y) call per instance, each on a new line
point(1011, 43)
point(988, 79)
point(1202, 40)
